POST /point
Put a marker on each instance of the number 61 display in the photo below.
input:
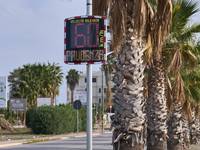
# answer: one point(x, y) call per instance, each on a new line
point(85, 40)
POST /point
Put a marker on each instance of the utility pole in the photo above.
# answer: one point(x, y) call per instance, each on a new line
point(89, 91)
point(102, 100)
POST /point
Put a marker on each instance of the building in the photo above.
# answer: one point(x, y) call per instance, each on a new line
point(96, 86)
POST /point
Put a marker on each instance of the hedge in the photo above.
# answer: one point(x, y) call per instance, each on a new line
point(56, 120)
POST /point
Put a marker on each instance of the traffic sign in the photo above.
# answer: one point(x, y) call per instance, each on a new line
point(77, 104)
point(85, 40)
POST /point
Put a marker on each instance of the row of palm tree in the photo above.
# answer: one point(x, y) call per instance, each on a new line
point(182, 52)
point(134, 24)
point(35, 80)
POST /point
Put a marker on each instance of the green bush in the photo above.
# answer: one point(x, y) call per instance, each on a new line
point(56, 120)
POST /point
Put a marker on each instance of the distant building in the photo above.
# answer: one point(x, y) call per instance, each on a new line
point(96, 86)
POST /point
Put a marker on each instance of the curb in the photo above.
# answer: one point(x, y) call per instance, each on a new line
point(62, 138)
point(13, 144)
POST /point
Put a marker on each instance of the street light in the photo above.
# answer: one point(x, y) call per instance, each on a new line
point(55, 82)
point(102, 99)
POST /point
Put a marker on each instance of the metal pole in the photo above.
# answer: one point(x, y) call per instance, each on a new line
point(17, 118)
point(11, 118)
point(102, 101)
point(89, 7)
point(55, 84)
point(89, 107)
point(89, 91)
point(77, 118)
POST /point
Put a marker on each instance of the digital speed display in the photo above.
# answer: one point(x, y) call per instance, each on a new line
point(85, 39)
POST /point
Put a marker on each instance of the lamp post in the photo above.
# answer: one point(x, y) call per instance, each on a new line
point(55, 82)
point(102, 100)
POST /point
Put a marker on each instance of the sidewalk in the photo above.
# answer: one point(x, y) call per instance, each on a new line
point(70, 135)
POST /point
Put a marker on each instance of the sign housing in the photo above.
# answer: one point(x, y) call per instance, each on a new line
point(85, 40)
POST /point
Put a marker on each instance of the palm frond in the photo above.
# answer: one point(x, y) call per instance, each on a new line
point(187, 108)
point(176, 62)
point(189, 52)
point(183, 10)
point(100, 7)
point(189, 32)
point(164, 16)
point(178, 90)
point(148, 53)
point(118, 16)
point(143, 17)
point(169, 95)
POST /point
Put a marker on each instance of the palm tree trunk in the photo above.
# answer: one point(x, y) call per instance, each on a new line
point(186, 132)
point(175, 131)
point(129, 119)
point(108, 96)
point(72, 96)
point(198, 126)
point(193, 131)
point(156, 107)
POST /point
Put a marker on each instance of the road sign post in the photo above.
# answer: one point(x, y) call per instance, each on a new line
point(77, 106)
point(18, 105)
point(85, 43)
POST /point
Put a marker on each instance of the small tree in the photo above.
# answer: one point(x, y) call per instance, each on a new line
point(72, 80)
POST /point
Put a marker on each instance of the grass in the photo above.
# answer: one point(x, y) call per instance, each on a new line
point(23, 133)
point(40, 140)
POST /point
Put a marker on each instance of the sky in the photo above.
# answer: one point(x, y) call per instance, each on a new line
point(32, 31)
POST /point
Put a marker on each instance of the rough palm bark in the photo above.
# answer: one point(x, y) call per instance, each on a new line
point(186, 132)
point(156, 107)
point(175, 130)
point(72, 87)
point(197, 123)
point(129, 118)
point(193, 131)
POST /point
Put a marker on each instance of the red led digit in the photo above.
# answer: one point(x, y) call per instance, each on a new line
point(97, 34)
point(79, 35)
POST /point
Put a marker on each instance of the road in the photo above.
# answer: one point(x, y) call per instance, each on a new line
point(100, 142)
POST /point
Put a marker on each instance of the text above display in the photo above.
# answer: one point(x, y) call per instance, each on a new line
point(85, 40)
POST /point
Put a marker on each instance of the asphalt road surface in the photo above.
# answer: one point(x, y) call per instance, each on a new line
point(100, 142)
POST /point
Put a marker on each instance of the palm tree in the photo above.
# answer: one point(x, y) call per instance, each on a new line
point(128, 28)
point(108, 68)
point(156, 26)
point(192, 92)
point(128, 121)
point(179, 49)
point(34, 81)
point(51, 77)
point(72, 80)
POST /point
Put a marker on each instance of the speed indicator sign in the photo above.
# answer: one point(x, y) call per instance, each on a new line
point(85, 40)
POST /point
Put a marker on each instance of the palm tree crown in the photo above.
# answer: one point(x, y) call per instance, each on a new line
point(72, 80)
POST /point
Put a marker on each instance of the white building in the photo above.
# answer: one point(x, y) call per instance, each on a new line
point(96, 86)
